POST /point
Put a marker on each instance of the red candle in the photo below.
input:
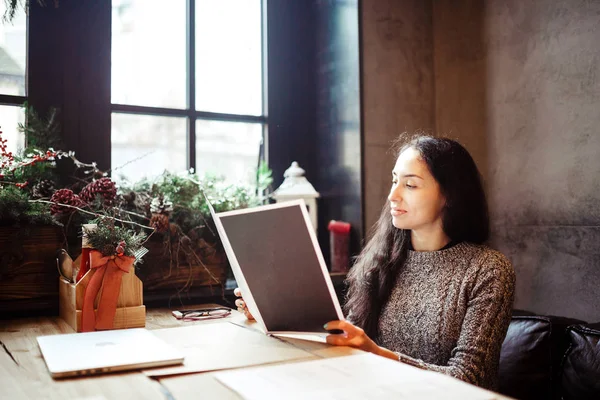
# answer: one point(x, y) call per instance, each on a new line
point(339, 241)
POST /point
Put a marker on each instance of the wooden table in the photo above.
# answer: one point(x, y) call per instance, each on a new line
point(23, 372)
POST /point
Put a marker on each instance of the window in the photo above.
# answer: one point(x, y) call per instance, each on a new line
point(13, 73)
point(187, 87)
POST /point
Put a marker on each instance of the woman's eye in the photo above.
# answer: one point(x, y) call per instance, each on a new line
point(394, 182)
point(410, 186)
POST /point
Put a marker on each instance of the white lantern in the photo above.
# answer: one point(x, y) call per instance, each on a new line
point(296, 186)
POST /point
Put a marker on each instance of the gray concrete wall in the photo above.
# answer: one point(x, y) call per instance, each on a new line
point(519, 83)
point(460, 73)
point(397, 87)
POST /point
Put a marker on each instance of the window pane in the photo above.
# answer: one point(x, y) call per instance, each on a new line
point(228, 149)
point(146, 145)
point(13, 53)
point(228, 56)
point(10, 117)
point(149, 53)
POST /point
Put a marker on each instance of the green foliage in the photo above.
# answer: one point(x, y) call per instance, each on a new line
point(13, 204)
point(184, 222)
point(107, 236)
point(264, 178)
point(15, 209)
point(41, 133)
point(33, 163)
point(177, 188)
point(190, 211)
point(34, 172)
point(39, 214)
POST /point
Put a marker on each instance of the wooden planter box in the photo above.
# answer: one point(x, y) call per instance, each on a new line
point(28, 271)
point(167, 275)
point(131, 312)
point(29, 274)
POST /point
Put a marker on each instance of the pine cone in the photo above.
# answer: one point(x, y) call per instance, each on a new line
point(43, 189)
point(129, 199)
point(161, 205)
point(160, 222)
point(64, 196)
point(103, 187)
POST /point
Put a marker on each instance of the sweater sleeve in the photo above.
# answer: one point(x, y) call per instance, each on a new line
point(477, 352)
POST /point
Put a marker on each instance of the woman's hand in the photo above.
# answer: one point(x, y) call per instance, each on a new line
point(241, 304)
point(353, 336)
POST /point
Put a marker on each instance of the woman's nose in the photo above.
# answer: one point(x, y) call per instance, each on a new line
point(394, 194)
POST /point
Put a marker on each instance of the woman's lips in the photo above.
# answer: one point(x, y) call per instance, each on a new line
point(397, 212)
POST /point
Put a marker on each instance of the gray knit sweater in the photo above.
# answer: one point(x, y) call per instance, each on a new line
point(449, 312)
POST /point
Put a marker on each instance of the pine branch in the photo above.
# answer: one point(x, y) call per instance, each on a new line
point(40, 133)
point(91, 213)
point(13, 5)
point(113, 240)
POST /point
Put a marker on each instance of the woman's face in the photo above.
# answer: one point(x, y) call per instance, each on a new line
point(416, 201)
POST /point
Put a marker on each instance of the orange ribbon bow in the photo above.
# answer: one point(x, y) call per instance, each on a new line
point(108, 276)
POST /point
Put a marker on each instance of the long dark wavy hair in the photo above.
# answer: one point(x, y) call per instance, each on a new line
point(465, 219)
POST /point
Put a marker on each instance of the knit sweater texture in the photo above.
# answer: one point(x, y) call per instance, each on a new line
point(449, 312)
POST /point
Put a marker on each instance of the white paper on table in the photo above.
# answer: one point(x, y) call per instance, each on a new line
point(222, 345)
point(351, 377)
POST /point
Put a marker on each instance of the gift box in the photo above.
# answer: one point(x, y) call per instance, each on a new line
point(103, 291)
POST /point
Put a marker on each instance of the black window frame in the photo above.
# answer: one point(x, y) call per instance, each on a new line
point(190, 113)
point(11, 100)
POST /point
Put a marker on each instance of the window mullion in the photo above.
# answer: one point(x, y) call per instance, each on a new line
point(191, 81)
point(6, 99)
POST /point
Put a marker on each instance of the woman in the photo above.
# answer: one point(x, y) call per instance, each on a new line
point(425, 290)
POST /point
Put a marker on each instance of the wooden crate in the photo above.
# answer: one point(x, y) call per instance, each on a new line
point(131, 312)
point(28, 270)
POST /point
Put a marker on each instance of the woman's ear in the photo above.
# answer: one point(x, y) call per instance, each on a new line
point(444, 205)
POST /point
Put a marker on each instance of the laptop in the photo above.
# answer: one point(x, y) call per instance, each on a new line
point(89, 353)
point(278, 265)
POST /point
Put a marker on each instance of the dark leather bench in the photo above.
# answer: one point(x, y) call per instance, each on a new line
point(550, 357)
